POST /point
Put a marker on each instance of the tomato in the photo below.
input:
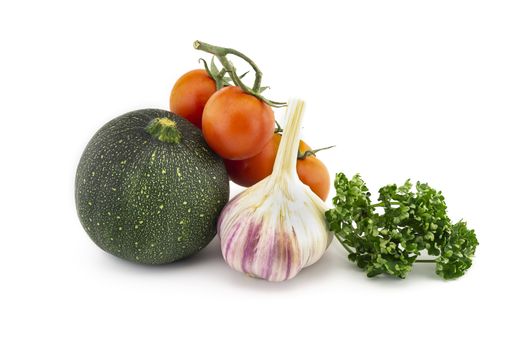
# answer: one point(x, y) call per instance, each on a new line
point(311, 170)
point(190, 94)
point(247, 172)
point(237, 125)
point(314, 173)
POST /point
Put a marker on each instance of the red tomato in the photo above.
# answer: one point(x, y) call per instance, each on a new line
point(247, 172)
point(237, 125)
point(311, 171)
point(190, 94)
point(314, 173)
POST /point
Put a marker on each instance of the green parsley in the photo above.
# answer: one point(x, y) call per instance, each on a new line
point(389, 236)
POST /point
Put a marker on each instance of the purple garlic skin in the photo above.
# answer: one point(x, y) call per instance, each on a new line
point(267, 240)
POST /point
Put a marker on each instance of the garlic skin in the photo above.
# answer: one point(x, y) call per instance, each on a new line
point(277, 227)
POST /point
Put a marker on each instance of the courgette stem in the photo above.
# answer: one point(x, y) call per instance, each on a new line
point(164, 129)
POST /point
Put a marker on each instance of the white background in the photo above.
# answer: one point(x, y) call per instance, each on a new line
point(434, 91)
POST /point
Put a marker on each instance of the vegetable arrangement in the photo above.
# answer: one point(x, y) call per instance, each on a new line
point(152, 187)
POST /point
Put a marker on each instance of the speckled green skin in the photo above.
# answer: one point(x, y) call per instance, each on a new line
point(145, 200)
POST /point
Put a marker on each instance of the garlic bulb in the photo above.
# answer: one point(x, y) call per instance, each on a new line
point(277, 227)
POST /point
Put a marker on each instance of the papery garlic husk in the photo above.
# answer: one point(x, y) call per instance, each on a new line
point(277, 227)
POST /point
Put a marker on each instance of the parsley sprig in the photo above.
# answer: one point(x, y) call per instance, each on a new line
point(389, 236)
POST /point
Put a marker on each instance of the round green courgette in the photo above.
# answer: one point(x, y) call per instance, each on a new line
point(149, 189)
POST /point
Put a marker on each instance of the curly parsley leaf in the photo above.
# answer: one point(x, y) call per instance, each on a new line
point(391, 239)
point(457, 253)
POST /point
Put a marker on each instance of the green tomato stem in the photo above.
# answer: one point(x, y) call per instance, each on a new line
point(221, 54)
point(223, 51)
point(278, 128)
point(312, 152)
point(217, 78)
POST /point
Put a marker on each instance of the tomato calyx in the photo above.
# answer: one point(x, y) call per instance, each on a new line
point(219, 75)
point(308, 152)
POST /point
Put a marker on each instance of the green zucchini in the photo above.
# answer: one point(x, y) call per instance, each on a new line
point(149, 189)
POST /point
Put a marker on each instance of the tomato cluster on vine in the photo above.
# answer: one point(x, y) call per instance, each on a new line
point(238, 123)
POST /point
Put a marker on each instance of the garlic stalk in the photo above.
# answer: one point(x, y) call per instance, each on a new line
point(277, 227)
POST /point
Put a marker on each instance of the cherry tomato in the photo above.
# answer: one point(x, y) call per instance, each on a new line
point(311, 170)
point(190, 94)
point(314, 173)
point(237, 125)
point(247, 172)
